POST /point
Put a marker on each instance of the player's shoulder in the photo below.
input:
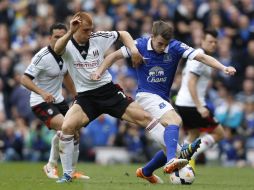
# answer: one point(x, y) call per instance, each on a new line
point(41, 55)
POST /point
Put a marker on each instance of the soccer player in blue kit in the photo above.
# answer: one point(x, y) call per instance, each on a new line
point(161, 54)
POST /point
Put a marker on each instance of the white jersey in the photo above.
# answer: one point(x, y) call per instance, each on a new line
point(83, 60)
point(47, 71)
point(204, 72)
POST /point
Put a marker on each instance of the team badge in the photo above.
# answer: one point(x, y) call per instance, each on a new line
point(50, 111)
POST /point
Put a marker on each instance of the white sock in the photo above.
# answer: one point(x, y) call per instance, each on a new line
point(66, 147)
point(156, 130)
point(75, 155)
point(206, 142)
point(54, 151)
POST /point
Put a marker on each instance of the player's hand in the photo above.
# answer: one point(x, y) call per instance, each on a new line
point(48, 97)
point(229, 70)
point(136, 57)
point(95, 75)
point(204, 112)
point(75, 23)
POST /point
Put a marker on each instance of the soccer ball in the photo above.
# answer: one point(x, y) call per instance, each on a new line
point(184, 176)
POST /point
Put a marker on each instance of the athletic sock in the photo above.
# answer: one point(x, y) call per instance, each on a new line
point(66, 147)
point(171, 135)
point(156, 130)
point(75, 155)
point(156, 162)
point(206, 142)
point(54, 151)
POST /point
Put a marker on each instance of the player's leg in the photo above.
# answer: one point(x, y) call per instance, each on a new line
point(73, 121)
point(50, 168)
point(76, 174)
point(53, 119)
point(136, 114)
point(209, 139)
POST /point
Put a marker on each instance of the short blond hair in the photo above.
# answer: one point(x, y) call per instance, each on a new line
point(85, 17)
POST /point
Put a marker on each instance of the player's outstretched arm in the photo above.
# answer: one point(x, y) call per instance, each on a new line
point(29, 84)
point(129, 43)
point(107, 62)
point(61, 43)
point(212, 62)
point(192, 86)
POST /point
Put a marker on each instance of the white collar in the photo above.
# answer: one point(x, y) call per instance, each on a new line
point(149, 46)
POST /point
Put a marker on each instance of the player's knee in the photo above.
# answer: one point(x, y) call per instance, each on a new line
point(68, 129)
point(174, 119)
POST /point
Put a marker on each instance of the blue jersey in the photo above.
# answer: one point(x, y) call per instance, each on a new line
point(156, 75)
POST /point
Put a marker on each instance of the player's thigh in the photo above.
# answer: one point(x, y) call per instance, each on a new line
point(57, 122)
point(74, 119)
point(136, 114)
point(171, 117)
point(153, 104)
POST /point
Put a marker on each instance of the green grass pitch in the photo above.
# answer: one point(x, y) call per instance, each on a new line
point(29, 176)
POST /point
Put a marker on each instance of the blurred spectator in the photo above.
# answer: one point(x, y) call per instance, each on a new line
point(101, 132)
point(13, 142)
point(232, 150)
point(20, 98)
point(247, 91)
point(229, 113)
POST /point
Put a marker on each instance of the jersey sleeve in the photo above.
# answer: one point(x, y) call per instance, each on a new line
point(186, 51)
point(196, 67)
point(105, 38)
point(35, 67)
point(126, 51)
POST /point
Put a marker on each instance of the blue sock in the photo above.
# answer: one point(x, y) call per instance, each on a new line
point(157, 161)
point(171, 134)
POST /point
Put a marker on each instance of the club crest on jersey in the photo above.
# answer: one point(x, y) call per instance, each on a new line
point(167, 58)
point(156, 74)
point(96, 53)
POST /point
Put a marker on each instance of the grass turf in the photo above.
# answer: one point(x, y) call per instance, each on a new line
point(29, 176)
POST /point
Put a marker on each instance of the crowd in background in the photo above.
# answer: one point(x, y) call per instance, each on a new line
point(24, 26)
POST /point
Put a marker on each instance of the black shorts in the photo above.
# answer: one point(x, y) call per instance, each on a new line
point(108, 99)
point(192, 118)
point(46, 111)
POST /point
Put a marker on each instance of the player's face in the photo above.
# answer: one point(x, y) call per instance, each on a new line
point(57, 33)
point(84, 32)
point(159, 44)
point(209, 44)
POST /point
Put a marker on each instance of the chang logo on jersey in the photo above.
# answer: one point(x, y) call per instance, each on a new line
point(156, 74)
point(87, 65)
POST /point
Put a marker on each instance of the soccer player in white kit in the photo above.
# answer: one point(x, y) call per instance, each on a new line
point(83, 51)
point(161, 54)
point(190, 101)
point(44, 77)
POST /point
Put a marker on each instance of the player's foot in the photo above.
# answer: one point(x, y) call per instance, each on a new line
point(189, 149)
point(50, 171)
point(192, 163)
point(64, 179)
point(152, 179)
point(79, 175)
point(174, 164)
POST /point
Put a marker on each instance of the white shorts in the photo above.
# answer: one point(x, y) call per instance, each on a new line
point(153, 104)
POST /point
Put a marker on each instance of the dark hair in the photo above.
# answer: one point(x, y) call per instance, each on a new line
point(163, 29)
point(57, 26)
point(211, 32)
